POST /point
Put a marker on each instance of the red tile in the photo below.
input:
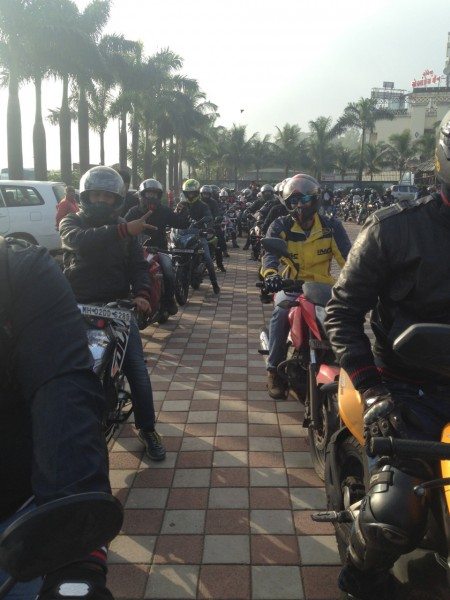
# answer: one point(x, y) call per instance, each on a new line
point(154, 478)
point(320, 583)
point(200, 429)
point(207, 385)
point(172, 443)
point(234, 376)
point(256, 430)
point(233, 395)
point(142, 521)
point(229, 477)
point(194, 460)
point(230, 443)
point(265, 459)
point(179, 549)
point(188, 498)
point(261, 406)
point(172, 417)
point(306, 526)
point(160, 386)
point(274, 550)
point(127, 581)
point(204, 405)
point(224, 582)
point(257, 385)
point(179, 395)
point(227, 521)
point(125, 460)
point(209, 371)
point(270, 498)
point(293, 444)
point(229, 416)
point(128, 430)
point(303, 478)
point(290, 418)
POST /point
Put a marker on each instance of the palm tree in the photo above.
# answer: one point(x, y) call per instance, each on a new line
point(362, 115)
point(99, 100)
point(400, 151)
point(287, 146)
point(426, 144)
point(345, 160)
point(375, 158)
point(261, 152)
point(319, 144)
point(238, 150)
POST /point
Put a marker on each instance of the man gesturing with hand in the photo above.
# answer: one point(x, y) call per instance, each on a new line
point(103, 262)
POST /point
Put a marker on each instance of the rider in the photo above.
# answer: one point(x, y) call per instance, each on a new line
point(313, 241)
point(225, 197)
point(51, 404)
point(150, 195)
point(103, 262)
point(199, 210)
point(206, 195)
point(399, 269)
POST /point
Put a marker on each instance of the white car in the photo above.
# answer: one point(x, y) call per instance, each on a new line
point(28, 210)
point(403, 192)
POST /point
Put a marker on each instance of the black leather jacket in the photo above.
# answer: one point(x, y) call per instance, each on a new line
point(51, 441)
point(399, 267)
point(103, 263)
point(198, 210)
point(161, 218)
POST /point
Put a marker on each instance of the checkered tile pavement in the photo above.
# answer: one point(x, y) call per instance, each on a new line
point(227, 514)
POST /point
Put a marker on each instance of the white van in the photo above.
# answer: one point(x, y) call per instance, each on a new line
point(403, 192)
point(28, 211)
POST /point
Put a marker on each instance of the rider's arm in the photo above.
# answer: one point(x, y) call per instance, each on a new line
point(138, 270)
point(356, 292)
point(270, 262)
point(178, 220)
point(340, 244)
point(77, 238)
point(54, 367)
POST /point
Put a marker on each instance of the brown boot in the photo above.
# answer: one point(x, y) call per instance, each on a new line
point(275, 386)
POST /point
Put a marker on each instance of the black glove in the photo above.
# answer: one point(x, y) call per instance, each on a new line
point(381, 416)
point(78, 581)
point(273, 283)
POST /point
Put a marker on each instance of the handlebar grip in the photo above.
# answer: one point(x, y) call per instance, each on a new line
point(409, 448)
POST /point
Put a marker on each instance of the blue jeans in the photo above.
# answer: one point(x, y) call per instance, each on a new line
point(135, 369)
point(279, 330)
point(29, 589)
point(208, 260)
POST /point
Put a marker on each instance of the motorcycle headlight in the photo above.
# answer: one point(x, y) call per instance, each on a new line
point(320, 314)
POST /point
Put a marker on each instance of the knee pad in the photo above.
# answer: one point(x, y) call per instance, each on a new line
point(392, 520)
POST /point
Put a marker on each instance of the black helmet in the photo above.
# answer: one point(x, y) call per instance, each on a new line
point(267, 191)
point(206, 191)
point(102, 179)
point(306, 190)
point(150, 192)
point(215, 190)
point(247, 193)
point(442, 157)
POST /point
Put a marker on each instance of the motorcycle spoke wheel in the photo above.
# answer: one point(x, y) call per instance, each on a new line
point(320, 435)
point(181, 285)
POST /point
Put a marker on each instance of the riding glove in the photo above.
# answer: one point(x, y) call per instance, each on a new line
point(273, 283)
point(381, 416)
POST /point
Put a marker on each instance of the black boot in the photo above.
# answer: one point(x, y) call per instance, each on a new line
point(367, 585)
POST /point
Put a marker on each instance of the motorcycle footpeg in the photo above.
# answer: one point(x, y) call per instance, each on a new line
point(332, 516)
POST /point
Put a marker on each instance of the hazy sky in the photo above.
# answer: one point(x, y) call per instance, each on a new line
point(279, 60)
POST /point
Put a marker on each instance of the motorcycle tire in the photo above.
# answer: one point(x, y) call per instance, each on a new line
point(319, 436)
point(181, 284)
point(349, 488)
point(196, 282)
point(163, 317)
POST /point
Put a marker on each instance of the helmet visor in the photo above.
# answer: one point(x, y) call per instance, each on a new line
point(297, 200)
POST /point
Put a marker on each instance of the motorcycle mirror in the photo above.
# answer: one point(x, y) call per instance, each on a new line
point(58, 533)
point(276, 246)
point(288, 304)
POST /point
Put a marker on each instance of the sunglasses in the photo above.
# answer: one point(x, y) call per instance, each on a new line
point(303, 199)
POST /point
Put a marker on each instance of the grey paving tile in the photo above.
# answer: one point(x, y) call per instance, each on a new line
point(226, 549)
point(301, 460)
point(308, 498)
point(131, 549)
point(172, 581)
point(223, 497)
point(183, 521)
point(230, 458)
point(192, 478)
point(265, 444)
point(268, 477)
point(276, 583)
point(271, 522)
point(318, 550)
point(147, 498)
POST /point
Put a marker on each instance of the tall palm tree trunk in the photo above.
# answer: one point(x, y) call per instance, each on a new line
point(39, 141)
point(83, 129)
point(65, 140)
point(148, 155)
point(102, 145)
point(134, 151)
point(171, 161)
point(361, 156)
point(14, 129)
point(176, 166)
point(123, 142)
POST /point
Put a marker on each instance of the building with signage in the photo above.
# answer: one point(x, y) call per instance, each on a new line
point(418, 110)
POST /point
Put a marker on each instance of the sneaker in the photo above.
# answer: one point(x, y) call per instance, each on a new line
point(154, 448)
point(171, 306)
point(275, 386)
point(221, 268)
point(216, 288)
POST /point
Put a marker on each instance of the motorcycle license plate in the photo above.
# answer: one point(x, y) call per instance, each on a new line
point(104, 312)
point(181, 251)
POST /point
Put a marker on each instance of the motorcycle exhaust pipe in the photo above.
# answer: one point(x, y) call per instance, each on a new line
point(264, 342)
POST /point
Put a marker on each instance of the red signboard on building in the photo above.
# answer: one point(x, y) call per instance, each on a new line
point(429, 77)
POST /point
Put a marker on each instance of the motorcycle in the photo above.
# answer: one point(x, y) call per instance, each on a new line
point(158, 313)
point(310, 369)
point(55, 534)
point(187, 256)
point(426, 568)
point(108, 331)
point(256, 236)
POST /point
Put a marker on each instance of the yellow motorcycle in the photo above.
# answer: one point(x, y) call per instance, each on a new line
point(426, 569)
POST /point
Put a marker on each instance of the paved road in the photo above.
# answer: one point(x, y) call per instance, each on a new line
point(227, 514)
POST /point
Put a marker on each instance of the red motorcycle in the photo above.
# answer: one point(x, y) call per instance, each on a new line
point(310, 369)
point(158, 313)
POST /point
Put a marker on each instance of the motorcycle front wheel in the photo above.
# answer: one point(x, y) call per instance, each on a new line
point(320, 435)
point(181, 284)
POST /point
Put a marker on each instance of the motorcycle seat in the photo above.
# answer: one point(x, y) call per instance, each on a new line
point(317, 293)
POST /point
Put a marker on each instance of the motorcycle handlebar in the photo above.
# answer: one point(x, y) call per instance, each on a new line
point(289, 285)
point(409, 448)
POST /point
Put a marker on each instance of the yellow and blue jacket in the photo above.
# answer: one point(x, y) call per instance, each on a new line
point(311, 252)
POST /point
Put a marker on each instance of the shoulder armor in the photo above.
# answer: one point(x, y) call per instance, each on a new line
point(399, 207)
